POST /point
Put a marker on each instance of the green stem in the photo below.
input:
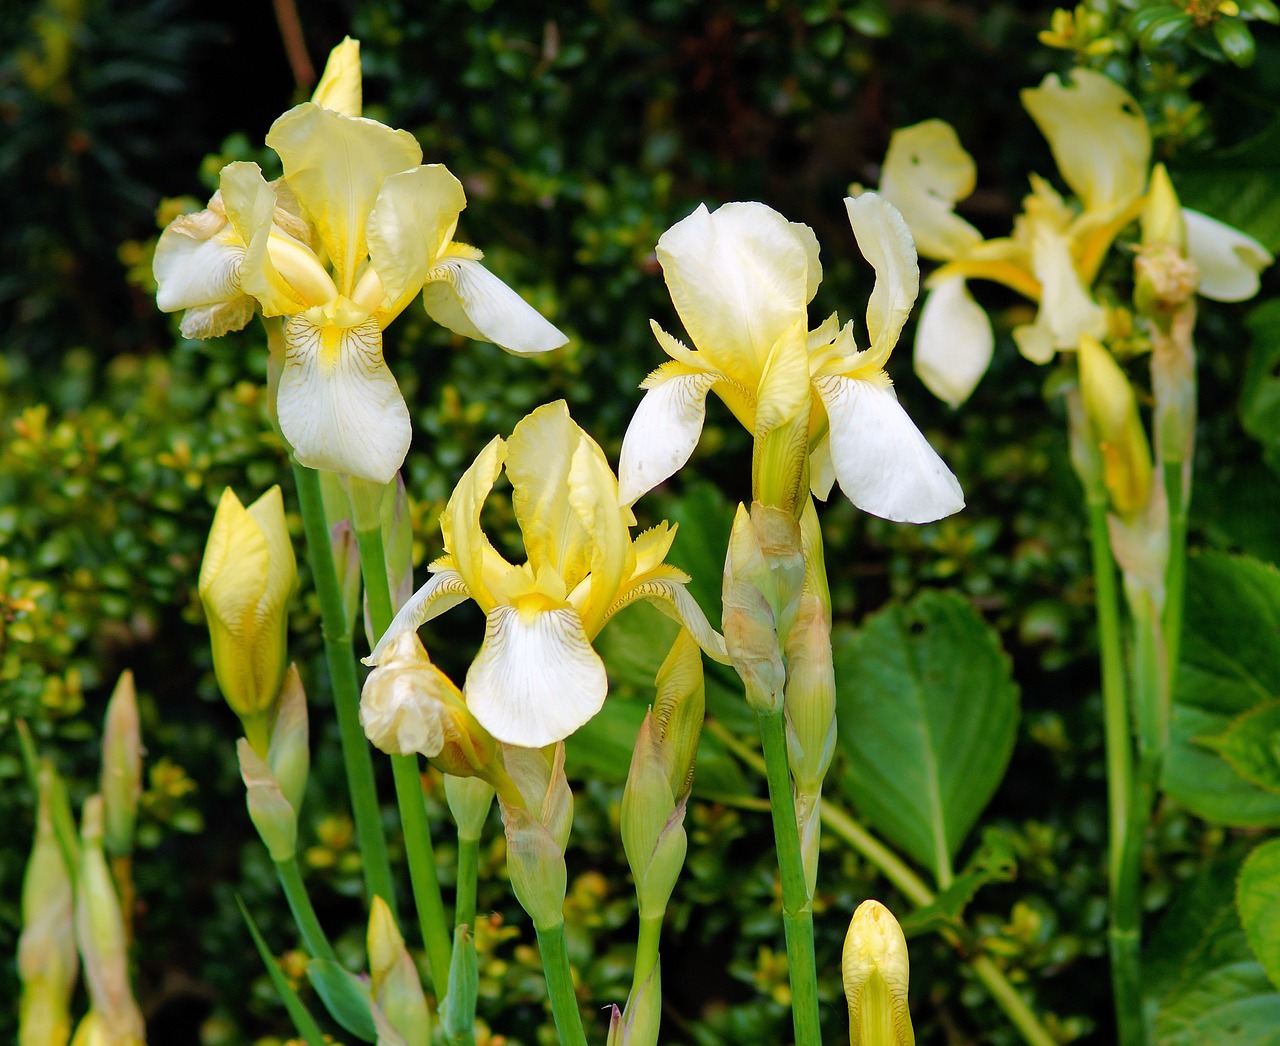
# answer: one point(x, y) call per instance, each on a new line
point(346, 690)
point(647, 942)
point(304, 915)
point(408, 780)
point(797, 906)
point(468, 865)
point(564, 1003)
point(1020, 1015)
point(1176, 572)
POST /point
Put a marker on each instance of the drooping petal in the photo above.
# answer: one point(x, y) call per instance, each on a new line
point(739, 278)
point(339, 405)
point(412, 220)
point(444, 590)
point(192, 270)
point(464, 296)
point(954, 342)
point(1229, 261)
point(536, 678)
point(1098, 136)
point(337, 164)
point(665, 589)
point(884, 465)
point(885, 241)
point(664, 429)
point(213, 321)
point(341, 87)
point(926, 170)
point(460, 524)
point(1066, 309)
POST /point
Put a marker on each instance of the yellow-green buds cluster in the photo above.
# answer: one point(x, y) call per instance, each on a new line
point(876, 971)
point(121, 781)
point(763, 576)
point(47, 948)
point(657, 788)
point(246, 581)
point(408, 705)
point(274, 786)
point(399, 1007)
point(114, 1017)
point(1112, 411)
point(537, 820)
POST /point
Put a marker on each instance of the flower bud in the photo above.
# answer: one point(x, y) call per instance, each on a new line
point(246, 581)
point(640, 1023)
point(289, 754)
point(121, 780)
point(537, 831)
point(341, 86)
point(393, 979)
point(271, 813)
point(409, 705)
point(47, 962)
point(469, 800)
point(763, 574)
point(876, 970)
point(100, 933)
point(1113, 415)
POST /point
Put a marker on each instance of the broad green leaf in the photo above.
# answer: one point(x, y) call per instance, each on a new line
point(1258, 902)
point(298, 1013)
point(1260, 387)
point(993, 863)
point(1232, 1006)
point(927, 717)
point(345, 996)
point(1237, 186)
point(1230, 665)
point(1251, 746)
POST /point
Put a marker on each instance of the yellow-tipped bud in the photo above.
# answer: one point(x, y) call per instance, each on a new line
point(47, 949)
point(1112, 410)
point(121, 781)
point(409, 705)
point(246, 581)
point(537, 824)
point(101, 935)
point(341, 85)
point(876, 972)
point(1162, 222)
point(393, 979)
point(1164, 278)
point(271, 813)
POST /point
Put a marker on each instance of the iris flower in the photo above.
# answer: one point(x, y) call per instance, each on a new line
point(741, 278)
point(1102, 146)
point(536, 678)
point(340, 246)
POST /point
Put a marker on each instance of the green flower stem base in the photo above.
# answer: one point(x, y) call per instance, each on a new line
point(647, 942)
point(468, 865)
point(408, 780)
point(304, 915)
point(346, 690)
point(1176, 573)
point(1020, 1015)
point(564, 1003)
point(797, 906)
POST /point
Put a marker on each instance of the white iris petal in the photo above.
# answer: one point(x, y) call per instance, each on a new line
point(444, 590)
point(663, 433)
point(470, 300)
point(954, 342)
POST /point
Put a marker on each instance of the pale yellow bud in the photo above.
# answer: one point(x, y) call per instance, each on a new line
point(341, 86)
point(393, 979)
point(1112, 410)
point(247, 578)
point(469, 800)
point(271, 813)
point(537, 830)
point(1162, 220)
point(121, 780)
point(876, 971)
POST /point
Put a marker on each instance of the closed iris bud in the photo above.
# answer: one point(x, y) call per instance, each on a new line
point(1164, 278)
point(121, 780)
point(469, 800)
point(271, 813)
point(393, 980)
point(1112, 410)
point(536, 819)
point(341, 87)
point(247, 578)
point(289, 754)
point(876, 971)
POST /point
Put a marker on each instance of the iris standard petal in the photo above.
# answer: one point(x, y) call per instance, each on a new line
point(593, 495)
point(460, 524)
point(464, 296)
point(664, 430)
point(341, 87)
point(444, 590)
point(925, 172)
point(412, 220)
point(339, 405)
point(1098, 135)
point(536, 678)
point(954, 342)
point(884, 465)
point(739, 277)
point(336, 165)
point(784, 385)
point(885, 241)
point(1066, 309)
point(1229, 261)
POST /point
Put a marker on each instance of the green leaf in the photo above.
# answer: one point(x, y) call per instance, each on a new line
point(927, 716)
point(993, 863)
point(298, 1013)
point(1236, 41)
point(1251, 745)
point(1260, 388)
point(1230, 665)
point(1258, 902)
point(1237, 186)
point(345, 996)
point(458, 1011)
point(1232, 1006)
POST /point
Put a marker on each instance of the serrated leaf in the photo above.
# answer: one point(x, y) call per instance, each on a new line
point(927, 716)
point(345, 996)
point(1237, 186)
point(1258, 902)
point(303, 1022)
point(1203, 782)
point(1232, 1006)
point(1251, 746)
